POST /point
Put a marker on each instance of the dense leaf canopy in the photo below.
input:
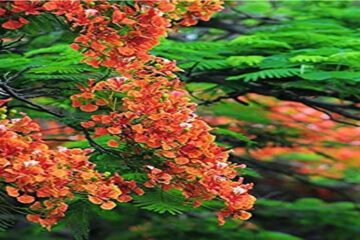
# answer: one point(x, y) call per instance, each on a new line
point(278, 82)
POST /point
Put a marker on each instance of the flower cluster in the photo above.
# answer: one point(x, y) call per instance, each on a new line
point(153, 109)
point(46, 178)
point(15, 12)
point(146, 106)
point(120, 37)
point(112, 34)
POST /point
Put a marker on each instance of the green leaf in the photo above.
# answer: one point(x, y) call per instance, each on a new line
point(227, 132)
point(304, 157)
point(159, 201)
point(265, 74)
point(193, 87)
point(276, 236)
point(77, 220)
point(316, 75)
point(250, 172)
point(319, 75)
point(244, 61)
point(251, 113)
point(308, 58)
point(258, 41)
point(7, 217)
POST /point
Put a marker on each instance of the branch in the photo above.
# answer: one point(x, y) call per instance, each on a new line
point(292, 96)
point(6, 46)
point(37, 107)
point(14, 95)
point(16, 75)
point(332, 117)
point(233, 95)
point(94, 144)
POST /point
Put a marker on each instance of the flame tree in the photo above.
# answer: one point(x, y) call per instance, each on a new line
point(94, 113)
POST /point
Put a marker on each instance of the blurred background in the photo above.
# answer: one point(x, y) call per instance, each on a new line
point(279, 82)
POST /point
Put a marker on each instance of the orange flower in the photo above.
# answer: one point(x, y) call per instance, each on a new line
point(112, 143)
point(108, 205)
point(55, 176)
point(26, 199)
point(2, 11)
point(181, 160)
point(11, 191)
point(114, 130)
point(89, 108)
point(149, 109)
point(138, 128)
point(15, 24)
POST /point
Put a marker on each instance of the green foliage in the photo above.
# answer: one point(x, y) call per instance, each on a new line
point(232, 134)
point(7, 210)
point(253, 113)
point(258, 42)
point(78, 220)
point(266, 74)
point(244, 61)
point(321, 46)
point(308, 47)
point(314, 214)
point(50, 64)
point(301, 156)
point(162, 202)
